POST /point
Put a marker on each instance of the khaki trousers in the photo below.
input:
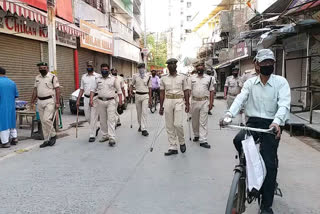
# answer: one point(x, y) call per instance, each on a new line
point(46, 109)
point(107, 112)
point(117, 114)
point(142, 109)
point(91, 114)
point(173, 111)
point(230, 100)
point(199, 117)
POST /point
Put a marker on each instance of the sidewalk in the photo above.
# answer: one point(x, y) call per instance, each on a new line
point(26, 143)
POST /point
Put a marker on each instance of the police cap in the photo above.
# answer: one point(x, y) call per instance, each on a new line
point(42, 64)
point(141, 65)
point(90, 63)
point(172, 61)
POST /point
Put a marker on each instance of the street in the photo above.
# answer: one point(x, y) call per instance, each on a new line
point(79, 177)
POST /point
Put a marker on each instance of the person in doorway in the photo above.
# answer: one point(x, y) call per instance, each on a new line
point(120, 79)
point(232, 86)
point(91, 113)
point(202, 92)
point(174, 91)
point(267, 105)
point(142, 82)
point(8, 94)
point(107, 87)
point(47, 90)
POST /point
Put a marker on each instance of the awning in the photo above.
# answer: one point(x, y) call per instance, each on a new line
point(22, 10)
point(229, 62)
point(298, 6)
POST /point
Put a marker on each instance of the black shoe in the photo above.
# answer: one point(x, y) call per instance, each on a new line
point(118, 124)
point(205, 145)
point(14, 141)
point(209, 113)
point(112, 143)
point(183, 148)
point(97, 131)
point(92, 139)
point(171, 152)
point(145, 133)
point(6, 145)
point(195, 139)
point(266, 211)
point(52, 141)
point(44, 144)
point(139, 130)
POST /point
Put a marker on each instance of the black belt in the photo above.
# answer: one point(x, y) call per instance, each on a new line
point(105, 99)
point(45, 98)
point(142, 93)
point(88, 96)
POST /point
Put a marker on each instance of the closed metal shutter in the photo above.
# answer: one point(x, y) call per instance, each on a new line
point(65, 68)
point(124, 67)
point(84, 55)
point(19, 57)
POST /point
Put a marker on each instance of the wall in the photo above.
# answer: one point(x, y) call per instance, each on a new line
point(315, 65)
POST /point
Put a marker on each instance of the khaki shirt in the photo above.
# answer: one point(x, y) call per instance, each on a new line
point(175, 84)
point(46, 85)
point(247, 75)
point(106, 87)
point(87, 82)
point(233, 85)
point(142, 84)
point(201, 86)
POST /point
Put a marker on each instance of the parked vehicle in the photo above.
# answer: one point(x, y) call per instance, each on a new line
point(73, 101)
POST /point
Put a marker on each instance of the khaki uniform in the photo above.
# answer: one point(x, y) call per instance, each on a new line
point(121, 82)
point(174, 87)
point(46, 101)
point(200, 91)
point(91, 113)
point(234, 89)
point(247, 75)
point(107, 105)
point(142, 98)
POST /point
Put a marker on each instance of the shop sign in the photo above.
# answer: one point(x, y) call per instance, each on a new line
point(21, 27)
point(95, 38)
point(240, 50)
point(126, 50)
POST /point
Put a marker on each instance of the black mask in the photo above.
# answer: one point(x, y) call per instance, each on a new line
point(200, 71)
point(89, 69)
point(43, 72)
point(104, 73)
point(235, 75)
point(114, 74)
point(266, 70)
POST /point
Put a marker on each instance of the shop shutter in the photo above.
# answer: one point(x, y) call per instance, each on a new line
point(19, 57)
point(65, 68)
point(84, 56)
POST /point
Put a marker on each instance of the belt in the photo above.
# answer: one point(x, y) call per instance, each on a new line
point(199, 98)
point(174, 96)
point(233, 95)
point(88, 96)
point(105, 98)
point(142, 93)
point(45, 98)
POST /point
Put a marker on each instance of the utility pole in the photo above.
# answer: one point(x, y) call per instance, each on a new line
point(145, 32)
point(52, 36)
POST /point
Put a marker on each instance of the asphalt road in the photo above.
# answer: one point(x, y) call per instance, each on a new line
point(77, 177)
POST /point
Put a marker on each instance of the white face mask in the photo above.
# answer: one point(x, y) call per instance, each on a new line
point(141, 70)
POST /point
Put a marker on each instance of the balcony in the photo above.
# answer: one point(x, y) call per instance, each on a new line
point(136, 8)
point(120, 30)
point(124, 7)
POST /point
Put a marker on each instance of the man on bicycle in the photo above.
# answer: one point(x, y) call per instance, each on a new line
point(266, 99)
point(155, 81)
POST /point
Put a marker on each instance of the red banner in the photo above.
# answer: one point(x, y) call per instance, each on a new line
point(63, 7)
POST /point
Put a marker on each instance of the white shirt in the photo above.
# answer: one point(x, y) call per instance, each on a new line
point(88, 81)
point(269, 101)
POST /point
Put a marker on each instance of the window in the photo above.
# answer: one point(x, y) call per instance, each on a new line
point(188, 4)
point(98, 4)
point(188, 18)
point(181, 1)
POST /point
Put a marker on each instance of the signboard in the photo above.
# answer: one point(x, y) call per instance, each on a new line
point(96, 39)
point(126, 50)
point(21, 27)
point(240, 49)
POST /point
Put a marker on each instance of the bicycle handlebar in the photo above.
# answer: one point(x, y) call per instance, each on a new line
point(269, 131)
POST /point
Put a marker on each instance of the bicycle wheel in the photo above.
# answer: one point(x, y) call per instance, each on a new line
point(236, 199)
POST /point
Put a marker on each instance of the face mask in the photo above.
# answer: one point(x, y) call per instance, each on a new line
point(141, 71)
point(43, 72)
point(114, 74)
point(266, 70)
point(235, 75)
point(104, 73)
point(89, 69)
point(200, 71)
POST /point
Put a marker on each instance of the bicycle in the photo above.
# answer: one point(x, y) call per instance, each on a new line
point(239, 193)
point(154, 101)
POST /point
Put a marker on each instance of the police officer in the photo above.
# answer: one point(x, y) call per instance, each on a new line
point(232, 86)
point(91, 113)
point(106, 87)
point(47, 90)
point(202, 92)
point(142, 83)
point(120, 79)
point(174, 90)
